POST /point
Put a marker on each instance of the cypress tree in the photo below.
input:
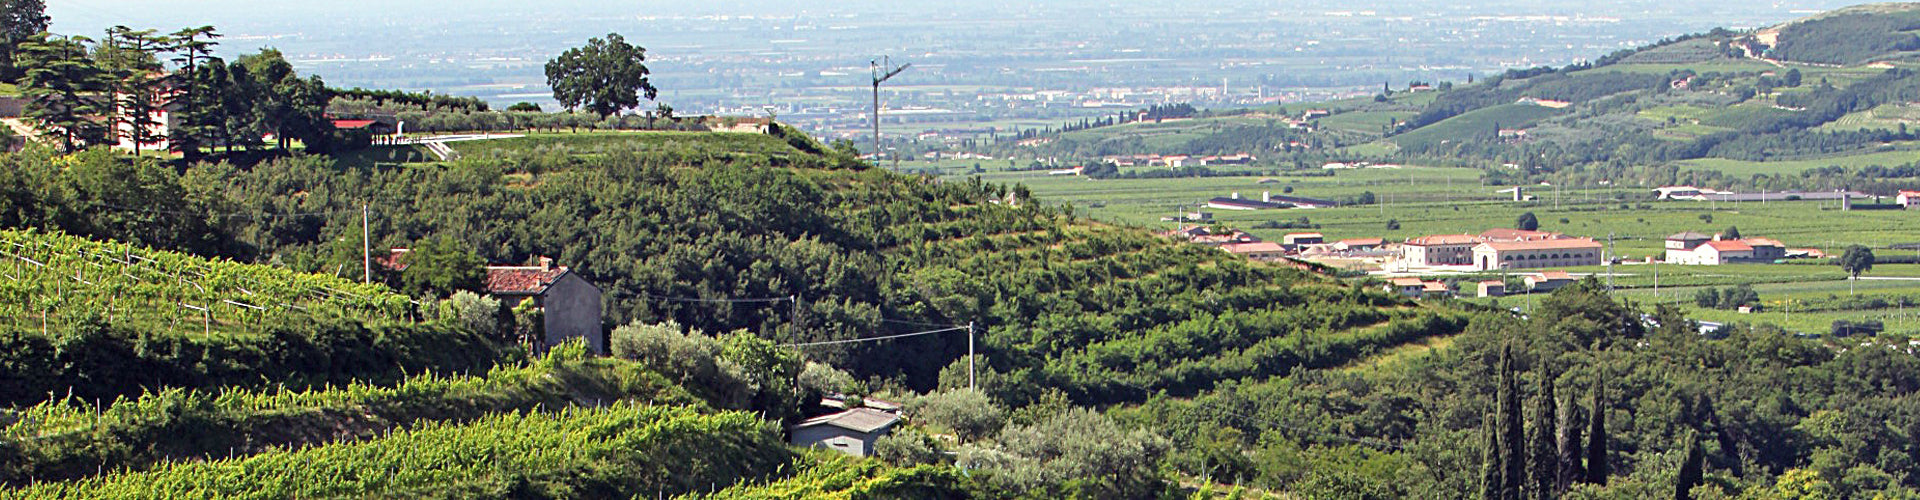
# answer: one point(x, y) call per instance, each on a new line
point(1489, 459)
point(1568, 438)
point(1543, 452)
point(1513, 437)
point(1597, 439)
point(1691, 470)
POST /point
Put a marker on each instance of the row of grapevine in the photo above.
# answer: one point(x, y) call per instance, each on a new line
point(825, 474)
point(49, 276)
point(69, 439)
point(620, 450)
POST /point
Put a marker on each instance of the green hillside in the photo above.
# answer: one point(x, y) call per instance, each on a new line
point(1478, 123)
point(1854, 35)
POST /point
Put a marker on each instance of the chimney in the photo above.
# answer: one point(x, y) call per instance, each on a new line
point(546, 263)
point(1266, 196)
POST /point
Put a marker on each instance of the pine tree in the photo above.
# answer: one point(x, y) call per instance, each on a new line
point(1569, 445)
point(129, 58)
point(192, 46)
point(1691, 470)
point(1597, 439)
point(1543, 452)
point(60, 83)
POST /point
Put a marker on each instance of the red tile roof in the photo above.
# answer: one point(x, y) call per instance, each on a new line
point(1573, 244)
point(1364, 241)
point(522, 279)
point(1729, 246)
point(347, 124)
point(1254, 247)
point(1554, 276)
point(1407, 282)
point(1762, 242)
point(394, 260)
point(1504, 234)
point(1444, 239)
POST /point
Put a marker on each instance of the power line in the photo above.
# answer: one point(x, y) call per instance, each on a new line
point(917, 323)
point(872, 339)
point(256, 215)
point(706, 299)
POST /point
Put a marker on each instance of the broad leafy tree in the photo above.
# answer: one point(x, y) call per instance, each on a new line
point(1527, 222)
point(604, 77)
point(1857, 260)
point(442, 265)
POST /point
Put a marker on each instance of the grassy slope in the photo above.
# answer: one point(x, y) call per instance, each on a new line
point(1479, 122)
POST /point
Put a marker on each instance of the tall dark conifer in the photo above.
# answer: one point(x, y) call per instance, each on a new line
point(1597, 469)
point(1490, 466)
point(1691, 470)
point(1543, 452)
point(1569, 446)
point(1513, 439)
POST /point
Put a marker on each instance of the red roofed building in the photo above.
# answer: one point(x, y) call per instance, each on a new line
point(570, 305)
point(1908, 199)
point(1494, 255)
point(1258, 250)
point(374, 127)
point(1440, 250)
point(1696, 249)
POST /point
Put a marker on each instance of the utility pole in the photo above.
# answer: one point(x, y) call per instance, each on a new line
point(1610, 258)
point(366, 248)
point(885, 64)
point(970, 356)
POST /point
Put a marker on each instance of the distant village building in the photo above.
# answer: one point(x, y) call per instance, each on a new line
point(1459, 249)
point(1297, 240)
point(1908, 199)
point(852, 432)
point(1201, 235)
point(1439, 250)
point(1492, 288)
point(1267, 201)
point(1695, 249)
point(1411, 287)
point(1548, 281)
point(1532, 254)
point(1545, 103)
point(1359, 244)
point(1266, 251)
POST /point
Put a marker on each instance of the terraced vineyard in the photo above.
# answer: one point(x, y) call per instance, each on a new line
point(617, 450)
point(54, 280)
point(99, 320)
point(70, 439)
